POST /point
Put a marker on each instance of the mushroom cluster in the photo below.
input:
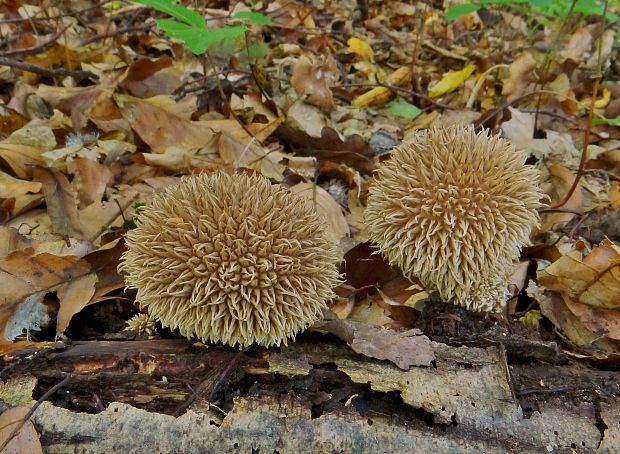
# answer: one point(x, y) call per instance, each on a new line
point(231, 259)
point(453, 208)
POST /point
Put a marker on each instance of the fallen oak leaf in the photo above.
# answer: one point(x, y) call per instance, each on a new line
point(25, 194)
point(161, 129)
point(561, 180)
point(26, 280)
point(520, 76)
point(90, 179)
point(602, 322)
point(353, 151)
point(593, 279)
point(14, 423)
point(60, 201)
point(328, 209)
point(403, 348)
point(23, 149)
point(553, 307)
point(312, 76)
point(74, 296)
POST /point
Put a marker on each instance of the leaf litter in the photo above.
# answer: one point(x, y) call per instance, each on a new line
point(116, 111)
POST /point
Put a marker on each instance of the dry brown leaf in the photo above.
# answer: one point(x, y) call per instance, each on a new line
point(553, 307)
point(79, 102)
point(90, 180)
point(520, 128)
point(24, 148)
point(306, 118)
point(403, 348)
point(520, 76)
point(251, 133)
point(25, 194)
point(253, 101)
point(371, 310)
point(578, 46)
point(30, 269)
point(99, 216)
point(180, 160)
point(328, 209)
point(614, 194)
point(161, 129)
point(73, 297)
point(252, 156)
point(147, 77)
point(60, 201)
point(26, 280)
point(561, 181)
point(312, 76)
point(305, 166)
point(593, 279)
point(26, 440)
point(602, 322)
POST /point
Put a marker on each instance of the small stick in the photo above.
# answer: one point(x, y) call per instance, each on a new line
point(59, 72)
point(28, 415)
point(35, 49)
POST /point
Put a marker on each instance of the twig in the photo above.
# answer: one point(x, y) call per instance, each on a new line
point(547, 62)
point(478, 86)
point(35, 49)
point(48, 18)
point(28, 415)
point(444, 52)
point(586, 135)
point(118, 31)
point(227, 102)
point(400, 89)
point(233, 363)
point(560, 210)
point(59, 72)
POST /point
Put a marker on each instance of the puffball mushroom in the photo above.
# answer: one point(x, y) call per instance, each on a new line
point(453, 208)
point(231, 259)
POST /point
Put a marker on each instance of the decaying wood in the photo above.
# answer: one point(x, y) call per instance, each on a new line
point(314, 396)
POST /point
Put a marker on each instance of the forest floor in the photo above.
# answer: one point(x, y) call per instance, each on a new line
point(100, 110)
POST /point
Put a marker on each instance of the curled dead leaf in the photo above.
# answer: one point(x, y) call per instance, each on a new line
point(312, 76)
point(328, 209)
point(593, 280)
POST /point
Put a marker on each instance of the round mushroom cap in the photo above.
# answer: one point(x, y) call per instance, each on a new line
point(453, 208)
point(231, 259)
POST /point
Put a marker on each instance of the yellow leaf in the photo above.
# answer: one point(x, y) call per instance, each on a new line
point(381, 95)
point(451, 81)
point(360, 48)
point(602, 102)
point(378, 95)
point(399, 77)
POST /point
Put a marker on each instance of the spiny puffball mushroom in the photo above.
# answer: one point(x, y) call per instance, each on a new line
point(452, 208)
point(231, 258)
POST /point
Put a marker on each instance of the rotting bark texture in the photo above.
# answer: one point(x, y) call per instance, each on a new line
point(463, 404)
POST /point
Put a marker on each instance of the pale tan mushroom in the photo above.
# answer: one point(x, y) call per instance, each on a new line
point(453, 208)
point(231, 259)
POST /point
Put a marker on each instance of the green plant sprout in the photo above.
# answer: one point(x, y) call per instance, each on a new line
point(607, 121)
point(558, 9)
point(191, 27)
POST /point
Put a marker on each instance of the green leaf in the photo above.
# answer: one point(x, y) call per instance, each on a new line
point(606, 121)
point(401, 108)
point(254, 17)
point(456, 11)
point(199, 39)
point(258, 50)
point(178, 11)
